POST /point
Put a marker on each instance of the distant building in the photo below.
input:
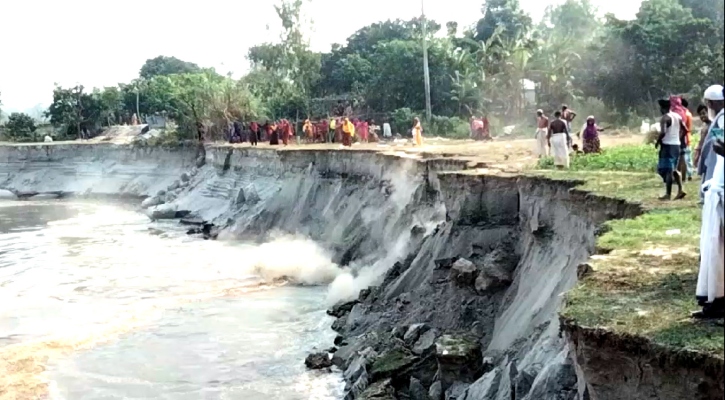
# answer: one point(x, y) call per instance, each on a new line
point(529, 88)
point(156, 121)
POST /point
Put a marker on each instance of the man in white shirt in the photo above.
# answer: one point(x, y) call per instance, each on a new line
point(670, 141)
point(711, 278)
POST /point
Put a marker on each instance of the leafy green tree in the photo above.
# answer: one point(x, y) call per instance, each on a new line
point(162, 65)
point(111, 103)
point(20, 127)
point(559, 62)
point(504, 15)
point(72, 108)
point(664, 50)
point(63, 111)
point(713, 10)
point(284, 74)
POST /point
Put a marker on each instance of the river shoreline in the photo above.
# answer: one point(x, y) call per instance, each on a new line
point(393, 219)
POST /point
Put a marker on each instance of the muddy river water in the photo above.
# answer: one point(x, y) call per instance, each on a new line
point(97, 302)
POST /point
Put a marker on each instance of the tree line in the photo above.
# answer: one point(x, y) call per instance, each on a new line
point(615, 68)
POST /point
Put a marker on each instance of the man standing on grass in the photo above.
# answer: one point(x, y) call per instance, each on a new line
point(702, 113)
point(669, 143)
point(699, 155)
point(559, 140)
point(686, 167)
point(542, 125)
point(711, 279)
point(707, 159)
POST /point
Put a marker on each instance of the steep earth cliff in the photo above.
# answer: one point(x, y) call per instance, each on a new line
point(455, 277)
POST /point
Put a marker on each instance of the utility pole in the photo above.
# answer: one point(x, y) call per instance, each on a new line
point(79, 110)
point(138, 91)
point(426, 72)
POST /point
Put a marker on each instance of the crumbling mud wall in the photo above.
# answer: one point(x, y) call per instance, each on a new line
point(453, 279)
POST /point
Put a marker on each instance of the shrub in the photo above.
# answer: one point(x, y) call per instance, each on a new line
point(639, 158)
point(401, 120)
point(450, 127)
point(20, 128)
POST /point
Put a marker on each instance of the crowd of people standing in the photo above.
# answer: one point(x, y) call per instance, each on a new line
point(677, 162)
point(342, 130)
point(553, 136)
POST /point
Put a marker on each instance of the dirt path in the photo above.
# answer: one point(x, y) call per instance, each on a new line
point(513, 154)
point(509, 155)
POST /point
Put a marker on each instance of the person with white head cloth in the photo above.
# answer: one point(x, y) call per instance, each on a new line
point(711, 278)
point(707, 159)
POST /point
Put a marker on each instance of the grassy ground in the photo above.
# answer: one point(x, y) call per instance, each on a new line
point(646, 269)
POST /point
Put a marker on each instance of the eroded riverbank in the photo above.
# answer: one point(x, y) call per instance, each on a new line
point(390, 221)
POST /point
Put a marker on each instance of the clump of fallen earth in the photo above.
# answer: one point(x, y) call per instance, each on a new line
point(424, 344)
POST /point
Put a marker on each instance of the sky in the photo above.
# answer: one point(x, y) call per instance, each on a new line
point(101, 43)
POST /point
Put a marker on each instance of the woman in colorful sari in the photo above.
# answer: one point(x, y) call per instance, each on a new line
point(364, 131)
point(309, 131)
point(476, 128)
point(272, 134)
point(348, 132)
point(590, 136)
point(486, 129)
point(417, 132)
point(254, 133)
point(338, 130)
point(283, 131)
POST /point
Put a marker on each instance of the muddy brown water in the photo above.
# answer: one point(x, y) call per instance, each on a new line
point(97, 302)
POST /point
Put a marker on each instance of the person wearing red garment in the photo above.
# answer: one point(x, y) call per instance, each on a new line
point(286, 131)
point(364, 131)
point(322, 128)
point(253, 133)
point(486, 132)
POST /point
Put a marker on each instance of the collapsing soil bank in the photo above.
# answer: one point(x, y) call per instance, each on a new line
point(449, 282)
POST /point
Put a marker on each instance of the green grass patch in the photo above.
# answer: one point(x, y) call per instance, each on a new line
point(676, 227)
point(642, 158)
point(645, 283)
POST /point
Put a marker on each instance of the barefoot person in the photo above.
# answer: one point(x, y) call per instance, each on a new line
point(669, 143)
point(559, 141)
point(542, 125)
